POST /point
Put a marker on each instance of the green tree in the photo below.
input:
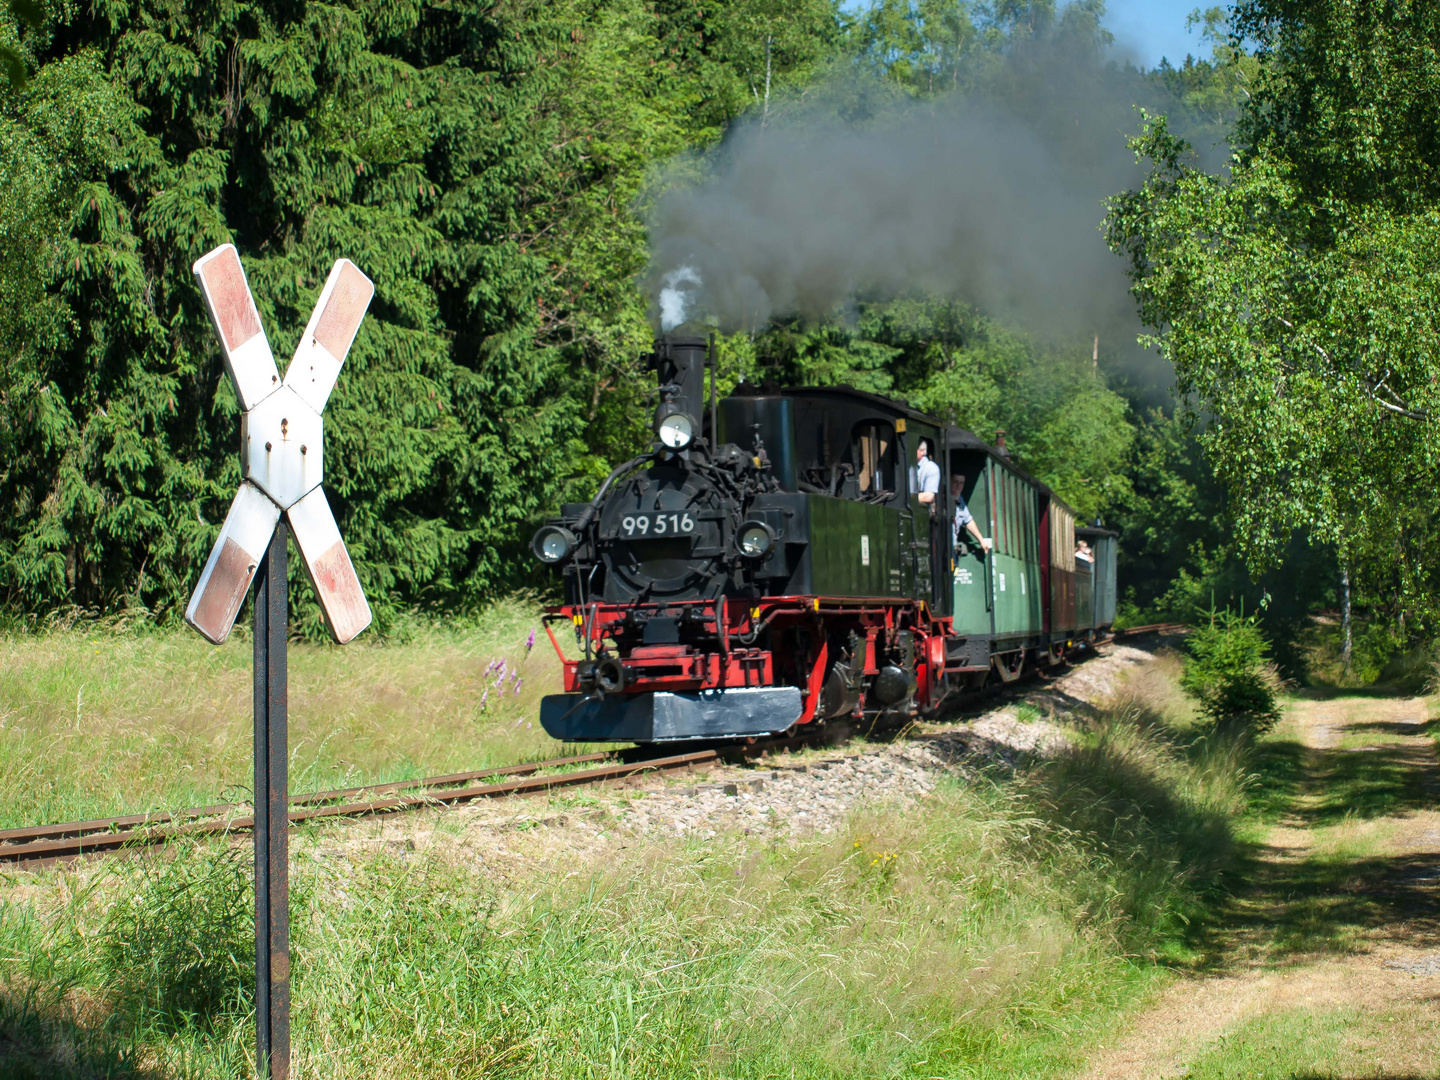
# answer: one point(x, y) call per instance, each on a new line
point(481, 163)
point(23, 13)
point(1230, 675)
point(742, 54)
point(1296, 297)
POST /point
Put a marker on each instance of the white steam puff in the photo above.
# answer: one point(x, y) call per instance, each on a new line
point(675, 296)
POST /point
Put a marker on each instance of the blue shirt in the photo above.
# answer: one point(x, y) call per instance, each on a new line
point(963, 517)
point(928, 478)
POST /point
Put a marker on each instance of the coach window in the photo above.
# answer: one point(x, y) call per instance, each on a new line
point(875, 456)
point(1017, 534)
point(1019, 517)
point(1009, 504)
point(1001, 537)
point(1000, 511)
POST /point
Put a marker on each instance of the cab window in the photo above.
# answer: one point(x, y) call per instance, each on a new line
point(874, 454)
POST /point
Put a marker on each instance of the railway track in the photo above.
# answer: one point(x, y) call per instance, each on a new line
point(44, 844)
point(1152, 628)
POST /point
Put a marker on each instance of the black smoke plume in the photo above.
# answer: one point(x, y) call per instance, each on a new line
point(994, 197)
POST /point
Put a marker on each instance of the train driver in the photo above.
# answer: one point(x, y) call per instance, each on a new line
point(963, 518)
point(927, 475)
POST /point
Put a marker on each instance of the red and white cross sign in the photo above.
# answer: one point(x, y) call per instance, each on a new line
point(282, 446)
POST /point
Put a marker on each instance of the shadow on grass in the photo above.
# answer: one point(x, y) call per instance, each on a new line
point(1157, 809)
point(1153, 798)
point(1311, 906)
point(1386, 727)
point(39, 1045)
point(1377, 781)
point(1278, 772)
point(1294, 905)
point(1323, 691)
point(169, 964)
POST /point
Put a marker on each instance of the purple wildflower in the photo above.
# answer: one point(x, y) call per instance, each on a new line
point(517, 686)
point(530, 641)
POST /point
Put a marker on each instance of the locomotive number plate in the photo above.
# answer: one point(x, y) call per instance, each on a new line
point(657, 524)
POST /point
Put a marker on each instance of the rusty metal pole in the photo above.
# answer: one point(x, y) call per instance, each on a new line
point(272, 819)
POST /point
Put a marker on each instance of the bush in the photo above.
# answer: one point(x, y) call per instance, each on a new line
point(1230, 674)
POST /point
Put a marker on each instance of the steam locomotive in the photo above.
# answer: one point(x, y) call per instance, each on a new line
point(768, 565)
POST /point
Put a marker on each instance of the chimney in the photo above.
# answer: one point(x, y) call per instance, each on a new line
point(680, 362)
point(1000, 444)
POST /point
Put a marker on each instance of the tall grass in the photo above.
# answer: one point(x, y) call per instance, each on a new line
point(1381, 657)
point(96, 720)
point(993, 929)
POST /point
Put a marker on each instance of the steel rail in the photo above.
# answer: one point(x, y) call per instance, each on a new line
point(1152, 628)
point(48, 843)
point(99, 825)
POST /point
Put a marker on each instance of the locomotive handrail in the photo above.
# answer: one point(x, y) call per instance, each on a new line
point(583, 521)
point(985, 557)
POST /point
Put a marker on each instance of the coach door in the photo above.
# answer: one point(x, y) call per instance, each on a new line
point(969, 571)
point(914, 519)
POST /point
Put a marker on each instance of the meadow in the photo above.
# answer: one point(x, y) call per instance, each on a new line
point(123, 717)
point(1000, 927)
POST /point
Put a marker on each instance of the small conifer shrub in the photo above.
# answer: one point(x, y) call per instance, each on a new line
point(1230, 673)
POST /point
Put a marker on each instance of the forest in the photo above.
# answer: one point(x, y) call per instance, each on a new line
point(1198, 299)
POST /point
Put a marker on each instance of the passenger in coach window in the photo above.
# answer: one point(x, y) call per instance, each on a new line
point(964, 520)
point(1082, 551)
point(927, 475)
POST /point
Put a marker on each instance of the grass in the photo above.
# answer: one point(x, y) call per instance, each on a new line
point(996, 929)
point(1304, 1044)
point(96, 721)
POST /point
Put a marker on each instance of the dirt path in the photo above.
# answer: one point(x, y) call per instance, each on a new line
point(1339, 931)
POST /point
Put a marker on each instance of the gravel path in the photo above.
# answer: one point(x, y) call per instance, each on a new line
point(1373, 962)
point(804, 793)
point(815, 794)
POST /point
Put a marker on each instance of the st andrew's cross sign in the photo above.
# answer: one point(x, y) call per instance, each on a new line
point(282, 451)
point(282, 461)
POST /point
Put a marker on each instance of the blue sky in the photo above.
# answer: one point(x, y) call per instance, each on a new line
point(1145, 30)
point(1150, 29)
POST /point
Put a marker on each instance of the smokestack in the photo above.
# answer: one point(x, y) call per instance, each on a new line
point(1000, 444)
point(680, 363)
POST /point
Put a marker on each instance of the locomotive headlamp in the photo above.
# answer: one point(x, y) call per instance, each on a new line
point(756, 539)
point(553, 543)
point(675, 428)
